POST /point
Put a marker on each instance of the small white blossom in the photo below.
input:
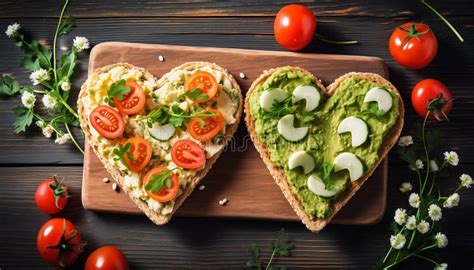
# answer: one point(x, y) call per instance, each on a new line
point(405, 187)
point(466, 180)
point(400, 216)
point(423, 227)
point(441, 240)
point(405, 141)
point(48, 131)
point(63, 139)
point(411, 223)
point(81, 43)
point(39, 124)
point(49, 101)
point(452, 201)
point(397, 241)
point(66, 86)
point(12, 30)
point(452, 158)
point(39, 75)
point(443, 266)
point(434, 212)
point(419, 164)
point(28, 99)
point(414, 200)
point(433, 166)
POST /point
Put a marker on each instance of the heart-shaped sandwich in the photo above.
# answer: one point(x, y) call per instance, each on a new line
point(159, 138)
point(320, 144)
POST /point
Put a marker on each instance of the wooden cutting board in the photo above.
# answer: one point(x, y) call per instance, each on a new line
point(239, 174)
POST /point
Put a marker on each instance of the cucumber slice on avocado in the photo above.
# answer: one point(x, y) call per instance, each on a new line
point(316, 185)
point(303, 159)
point(382, 97)
point(350, 162)
point(288, 131)
point(310, 94)
point(357, 127)
point(268, 98)
point(161, 133)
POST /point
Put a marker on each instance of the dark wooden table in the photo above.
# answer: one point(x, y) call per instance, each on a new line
point(222, 243)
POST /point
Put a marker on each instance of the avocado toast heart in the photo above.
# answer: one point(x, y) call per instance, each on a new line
point(173, 139)
point(320, 145)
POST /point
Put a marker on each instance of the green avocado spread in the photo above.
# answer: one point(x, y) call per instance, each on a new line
point(322, 142)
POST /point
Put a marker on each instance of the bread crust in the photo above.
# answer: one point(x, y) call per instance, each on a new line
point(160, 219)
point(278, 173)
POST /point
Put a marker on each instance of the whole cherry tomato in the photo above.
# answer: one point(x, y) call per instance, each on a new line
point(51, 196)
point(107, 258)
point(294, 27)
point(432, 95)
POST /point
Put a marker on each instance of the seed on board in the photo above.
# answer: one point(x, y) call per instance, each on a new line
point(114, 186)
point(105, 180)
point(202, 187)
point(161, 58)
point(242, 75)
point(223, 201)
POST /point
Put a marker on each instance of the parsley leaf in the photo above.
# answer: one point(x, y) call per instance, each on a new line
point(24, 119)
point(279, 248)
point(159, 181)
point(196, 94)
point(9, 86)
point(68, 63)
point(65, 26)
point(118, 90)
point(29, 64)
point(279, 109)
point(121, 152)
point(327, 170)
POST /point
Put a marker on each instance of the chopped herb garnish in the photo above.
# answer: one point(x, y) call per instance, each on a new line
point(159, 181)
point(196, 94)
point(327, 170)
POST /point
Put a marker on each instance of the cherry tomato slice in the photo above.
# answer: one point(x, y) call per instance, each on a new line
point(205, 128)
point(205, 82)
point(107, 122)
point(165, 194)
point(140, 149)
point(188, 154)
point(134, 101)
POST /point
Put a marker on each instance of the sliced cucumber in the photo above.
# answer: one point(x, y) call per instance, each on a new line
point(288, 131)
point(308, 93)
point(269, 97)
point(350, 162)
point(382, 97)
point(357, 127)
point(161, 133)
point(303, 159)
point(316, 185)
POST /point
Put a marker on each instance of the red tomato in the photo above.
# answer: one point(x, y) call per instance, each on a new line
point(434, 92)
point(107, 121)
point(107, 258)
point(59, 243)
point(134, 101)
point(140, 149)
point(165, 194)
point(205, 82)
point(51, 196)
point(413, 45)
point(294, 27)
point(205, 128)
point(188, 154)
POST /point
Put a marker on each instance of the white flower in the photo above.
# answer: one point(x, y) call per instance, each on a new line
point(39, 75)
point(466, 180)
point(443, 266)
point(435, 213)
point(12, 30)
point(419, 164)
point(49, 101)
point(423, 227)
point(39, 124)
point(66, 86)
point(63, 139)
point(405, 141)
point(48, 131)
point(414, 200)
point(451, 201)
point(400, 216)
point(81, 43)
point(405, 187)
point(397, 241)
point(28, 99)
point(452, 158)
point(441, 240)
point(411, 223)
point(433, 166)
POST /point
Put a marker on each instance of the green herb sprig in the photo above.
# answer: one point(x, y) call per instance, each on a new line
point(328, 168)
point(174, 115)
point(117, 90)
point(121, 151)
point(159, 181)
point(195, 94)
point(279, 248)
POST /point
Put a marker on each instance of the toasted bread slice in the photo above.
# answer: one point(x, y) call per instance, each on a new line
point(278, 173)
point(119, 175)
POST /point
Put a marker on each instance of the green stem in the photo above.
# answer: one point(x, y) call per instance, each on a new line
point(388, 253)
point(68, 107)
point(426, 152)
point(270, 261)
point(426, 258)
point(444, 20)
point(411, 239)
point(73, 138)
point(56, 39)
point(324, 39)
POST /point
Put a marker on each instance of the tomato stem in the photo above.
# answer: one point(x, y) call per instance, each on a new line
point(458, 35)
point(324, 39)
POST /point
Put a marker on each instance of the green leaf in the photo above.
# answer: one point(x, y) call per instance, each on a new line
point(280, 109)
point(68, 63)
point(24, 118)
point(66, 26)
point(196, 94)
point(254, 261)
point(9, 86)
point(121, 152)
point(159, 181)
point(118, 90)
point(327, 170)
point(308, 118)
point(27, 63)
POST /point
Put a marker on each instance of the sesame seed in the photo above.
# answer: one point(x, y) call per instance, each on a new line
point(242, 75)
point(114, 186)
point(161, 58)
point(105, 180)
point(223, 202)
point(202, 187)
